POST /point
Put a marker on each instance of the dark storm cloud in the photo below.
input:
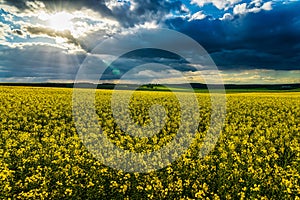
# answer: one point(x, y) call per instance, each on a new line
point(45, 62)
point(145, 56)
point(127, 15)
point(59, 5)
point(143, 11)
point(268, 39)
point(251, 59)
point(17, 31)
point(52, 33)
point(262, 40)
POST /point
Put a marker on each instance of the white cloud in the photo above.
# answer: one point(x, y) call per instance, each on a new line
point(184, 8)
point(35, 5)
point(8, 8)
point(260, 76)
point(256, 3)
point(226, 16)
point(244, 8)
point(197, 16)
point(220, 4)
point(138, 27)
point(83, 24)
point(113, 4)
point(240, 9)
point(267, 6)
point(4, 29)
point(148, 25)
point(254, 6)
point(170, 76)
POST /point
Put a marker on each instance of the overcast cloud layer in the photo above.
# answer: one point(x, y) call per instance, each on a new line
point(253, 41)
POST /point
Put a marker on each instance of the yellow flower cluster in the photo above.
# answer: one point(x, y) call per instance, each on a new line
point(42, 157)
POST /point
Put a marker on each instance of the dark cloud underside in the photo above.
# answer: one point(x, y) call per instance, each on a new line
point(143, 10)
point(265, 40)
point(268, 39)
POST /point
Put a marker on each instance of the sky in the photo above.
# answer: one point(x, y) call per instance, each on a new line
point(250, 42)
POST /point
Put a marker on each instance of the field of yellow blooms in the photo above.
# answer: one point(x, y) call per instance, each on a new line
point(42, 157)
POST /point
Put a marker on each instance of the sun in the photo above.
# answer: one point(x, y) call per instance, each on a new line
point(61, 21)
